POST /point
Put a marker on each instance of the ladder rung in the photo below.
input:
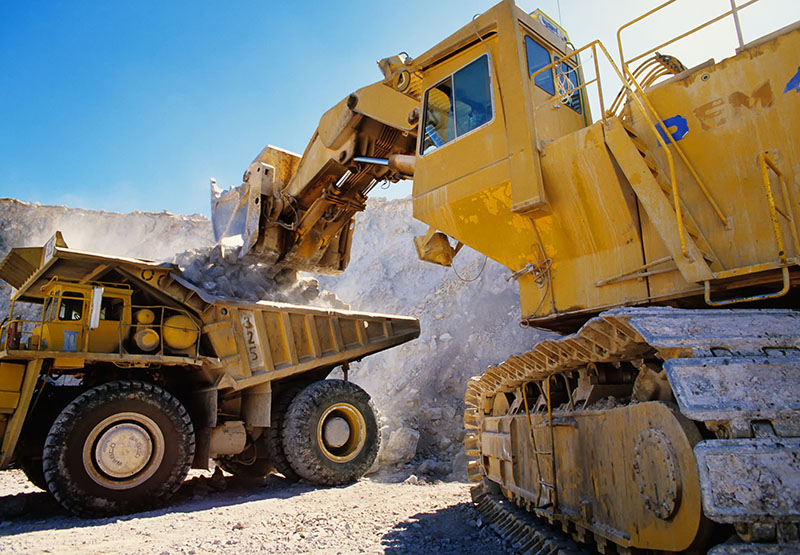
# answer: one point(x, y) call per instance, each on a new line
point(539, 452)
point(640, 146)
point(651, 163)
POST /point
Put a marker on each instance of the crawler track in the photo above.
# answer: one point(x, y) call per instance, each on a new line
point(528, 534)
point(735, 375)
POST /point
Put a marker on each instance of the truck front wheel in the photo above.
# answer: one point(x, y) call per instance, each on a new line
point(331, 433)
point(120, 447)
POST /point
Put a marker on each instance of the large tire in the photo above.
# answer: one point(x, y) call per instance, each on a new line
point(274, 434)
point(331, 433)
point(34, 433)
point(121, 447)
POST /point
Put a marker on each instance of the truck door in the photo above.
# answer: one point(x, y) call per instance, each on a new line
point(64, 330)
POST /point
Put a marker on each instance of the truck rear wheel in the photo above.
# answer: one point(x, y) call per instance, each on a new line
point(274, 434)
point(121, 447)
point(330, 434)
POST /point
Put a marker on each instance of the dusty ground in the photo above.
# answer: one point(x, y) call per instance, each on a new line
point(229, 516)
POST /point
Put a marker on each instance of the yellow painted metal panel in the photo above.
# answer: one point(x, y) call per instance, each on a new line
point(301, 339)
point(615, 478)
point(11, 376)
point(8, 400)
point(277, 338)
point(723, 116)
point(14, 426)
point(592, 233)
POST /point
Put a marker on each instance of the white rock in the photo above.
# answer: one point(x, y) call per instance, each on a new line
point(401, 447)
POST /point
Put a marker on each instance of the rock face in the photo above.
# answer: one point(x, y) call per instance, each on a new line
point(418, 387)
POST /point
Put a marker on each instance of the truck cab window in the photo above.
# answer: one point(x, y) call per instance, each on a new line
point(50, 304)
point(71, 306)
point(457, 105)
point(111, 309)
point(539, 57)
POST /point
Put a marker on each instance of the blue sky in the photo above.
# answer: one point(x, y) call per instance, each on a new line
point(127, 106)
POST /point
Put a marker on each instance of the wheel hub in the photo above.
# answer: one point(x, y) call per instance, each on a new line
point(336, 431)
point(123, 451)
point(341, 432)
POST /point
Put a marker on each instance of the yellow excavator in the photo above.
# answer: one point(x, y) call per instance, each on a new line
point(659, 235)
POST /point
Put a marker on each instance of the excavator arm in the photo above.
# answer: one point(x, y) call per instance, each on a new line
point(298, 212)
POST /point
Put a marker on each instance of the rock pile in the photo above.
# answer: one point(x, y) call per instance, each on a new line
point(221, 272)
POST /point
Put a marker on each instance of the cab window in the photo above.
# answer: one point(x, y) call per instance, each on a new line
point(50, 306)
point(457, 105)
point(111, 309)
point(539, 57)
point(71, 306)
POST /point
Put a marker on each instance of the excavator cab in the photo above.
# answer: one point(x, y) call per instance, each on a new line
point(491, 98)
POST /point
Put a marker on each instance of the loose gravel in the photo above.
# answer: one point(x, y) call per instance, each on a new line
point(221, 514)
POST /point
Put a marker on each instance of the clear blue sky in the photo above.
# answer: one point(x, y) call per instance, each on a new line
point(133, 105)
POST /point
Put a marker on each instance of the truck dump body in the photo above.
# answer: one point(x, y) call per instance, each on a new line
point(105, 317)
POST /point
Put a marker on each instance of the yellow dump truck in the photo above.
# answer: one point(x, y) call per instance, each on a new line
point(659, 233)
point(131, 375)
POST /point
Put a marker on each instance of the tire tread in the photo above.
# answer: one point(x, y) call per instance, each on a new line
point(68, 494)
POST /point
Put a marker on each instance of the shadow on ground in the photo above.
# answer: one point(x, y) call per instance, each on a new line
point(36, 511)
point(453, 529)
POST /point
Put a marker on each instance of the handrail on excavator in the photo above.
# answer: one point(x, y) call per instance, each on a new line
point(734, 12)
point(654, 121)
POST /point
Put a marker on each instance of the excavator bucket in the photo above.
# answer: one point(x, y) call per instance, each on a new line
point(232, 218)
point(236, 213)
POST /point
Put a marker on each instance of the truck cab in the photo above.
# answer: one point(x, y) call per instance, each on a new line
point(82, 317)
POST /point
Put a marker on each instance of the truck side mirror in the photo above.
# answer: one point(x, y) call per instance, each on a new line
point(97, 303)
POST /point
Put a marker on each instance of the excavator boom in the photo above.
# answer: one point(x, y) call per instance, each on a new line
point(298, 211)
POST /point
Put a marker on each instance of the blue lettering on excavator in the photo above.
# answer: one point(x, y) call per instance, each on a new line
point(794, 83)
point(681, 129)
